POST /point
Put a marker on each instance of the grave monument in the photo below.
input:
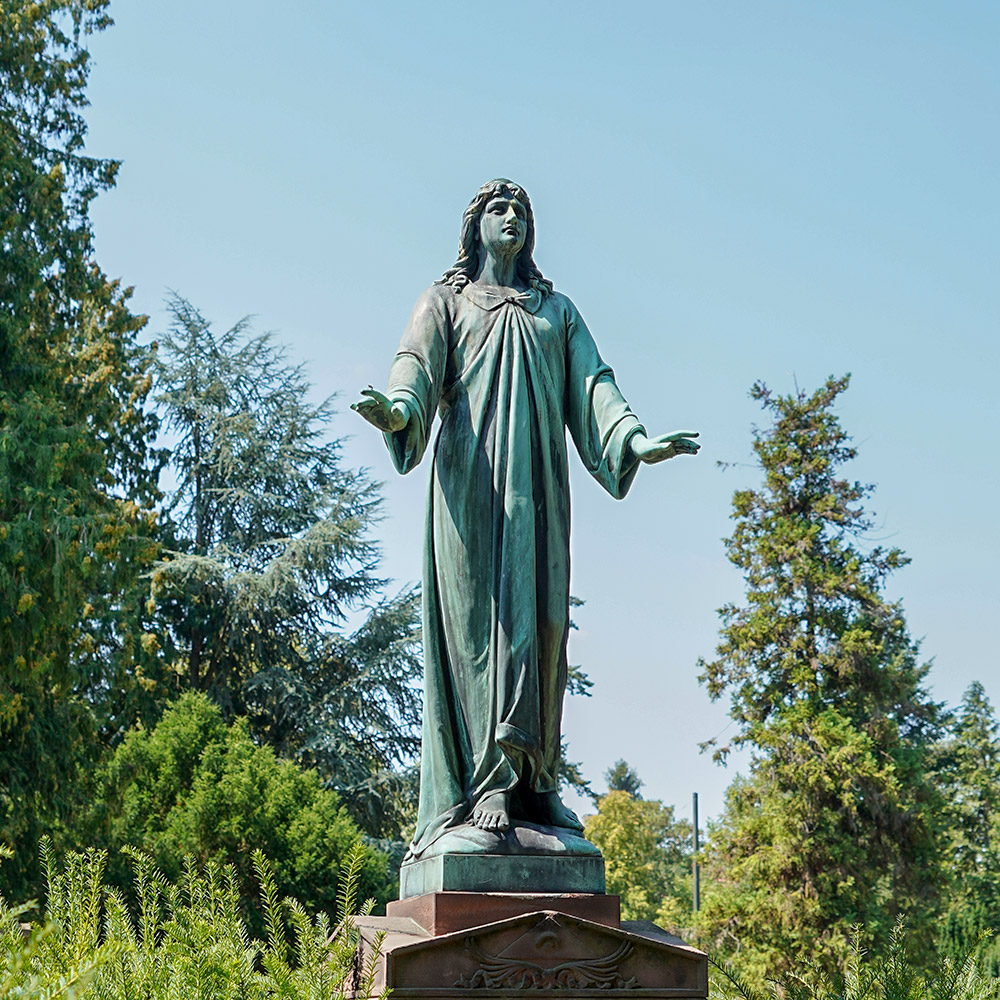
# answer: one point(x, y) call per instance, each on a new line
point(500, 890)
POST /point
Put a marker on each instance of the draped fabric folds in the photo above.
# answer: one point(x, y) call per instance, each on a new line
point(508, 375)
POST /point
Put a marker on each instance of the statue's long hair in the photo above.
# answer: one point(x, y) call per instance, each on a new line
point(467, 266)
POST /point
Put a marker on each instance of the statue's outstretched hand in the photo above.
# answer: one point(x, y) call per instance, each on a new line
point(381, 412)
point(658, 449)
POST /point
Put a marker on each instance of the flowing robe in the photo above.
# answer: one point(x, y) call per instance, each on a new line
point(508, 375)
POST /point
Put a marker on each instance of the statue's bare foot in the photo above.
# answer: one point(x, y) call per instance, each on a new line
point(491, 813)
point(556, 813)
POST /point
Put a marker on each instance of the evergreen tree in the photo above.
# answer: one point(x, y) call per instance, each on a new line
point(271, 551)
point(77, 478)
point(834, 824)
point(623, 778)
point(570, 773)
point(968, 773)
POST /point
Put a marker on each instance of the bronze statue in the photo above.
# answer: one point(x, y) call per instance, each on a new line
point(509, 365)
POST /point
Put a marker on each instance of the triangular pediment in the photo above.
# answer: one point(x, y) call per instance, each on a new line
point(546, 950)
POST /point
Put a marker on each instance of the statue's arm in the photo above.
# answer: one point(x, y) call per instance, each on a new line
point(405, 411)
point(600, 417)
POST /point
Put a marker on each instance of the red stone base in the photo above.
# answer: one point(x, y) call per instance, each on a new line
point(446, 912)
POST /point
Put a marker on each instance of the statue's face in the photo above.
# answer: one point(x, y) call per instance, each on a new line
point(503, 226)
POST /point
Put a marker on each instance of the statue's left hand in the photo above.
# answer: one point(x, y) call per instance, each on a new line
point(381, 412)
point(659, 449)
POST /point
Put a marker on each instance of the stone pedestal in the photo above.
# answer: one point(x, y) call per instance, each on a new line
point(494, 944)
point(553, 873)
point(544, 859)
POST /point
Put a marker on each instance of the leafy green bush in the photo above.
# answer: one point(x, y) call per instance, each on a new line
point(189, 940)
point(894, 976)
point(194, 786)
point(646, 855)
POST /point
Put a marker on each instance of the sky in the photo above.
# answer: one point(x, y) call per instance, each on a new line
point(729, 192)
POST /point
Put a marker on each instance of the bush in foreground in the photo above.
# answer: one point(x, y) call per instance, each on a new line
point(188, 940)
point(895, 976)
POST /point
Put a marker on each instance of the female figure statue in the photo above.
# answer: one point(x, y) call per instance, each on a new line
point(509, 365)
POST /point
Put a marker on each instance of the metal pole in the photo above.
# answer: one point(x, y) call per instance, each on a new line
point(695, 868)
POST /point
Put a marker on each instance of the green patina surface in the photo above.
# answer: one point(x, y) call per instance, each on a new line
point(509, 365)
point(501, 873)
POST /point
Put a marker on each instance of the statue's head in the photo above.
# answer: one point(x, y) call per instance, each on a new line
point(470, 248)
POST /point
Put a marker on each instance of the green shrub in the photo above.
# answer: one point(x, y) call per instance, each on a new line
point(194, 786)
point(894, 976)
point(188, 941)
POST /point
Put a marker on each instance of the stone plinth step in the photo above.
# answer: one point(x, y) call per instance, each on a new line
point(447, 912)
point(509, 873)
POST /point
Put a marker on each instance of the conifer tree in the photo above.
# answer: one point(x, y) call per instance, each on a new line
point(272, 550)
point(834, 823)
point(77, 477)
point(968, 772)
point(622, 777)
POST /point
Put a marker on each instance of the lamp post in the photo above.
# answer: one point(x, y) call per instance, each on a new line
point(695, 869)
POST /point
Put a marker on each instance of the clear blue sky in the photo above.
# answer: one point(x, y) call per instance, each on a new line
point(728, 191)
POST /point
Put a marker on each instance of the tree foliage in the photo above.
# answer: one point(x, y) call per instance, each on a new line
point(968, 773)
point(835, 822)
point(77, 476)
point(897, 974)
point(647, 855)
point(272, 550)
point(570, 772)
point(193, 786)
point(621, 777)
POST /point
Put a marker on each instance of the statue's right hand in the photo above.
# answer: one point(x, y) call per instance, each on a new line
point(381, 412)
